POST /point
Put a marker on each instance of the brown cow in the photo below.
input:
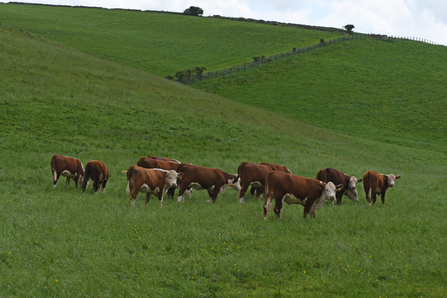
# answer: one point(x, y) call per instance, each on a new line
point(254, 175)
point(69, 167)
point(150, 181)
point(98, 172)
point(215, 181)
point(338, 177)
point(292, 189)
point(274, 167)
point(377, 184)
point(152, 163)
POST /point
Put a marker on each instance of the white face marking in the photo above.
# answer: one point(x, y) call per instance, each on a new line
point(353, 183)
point(171, 178)
point(391, 180)
point(231, 184)
point(291, 199)
point(328, 194)
point(352, 195)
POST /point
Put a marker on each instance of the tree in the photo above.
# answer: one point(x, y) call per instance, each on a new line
point(349, 28)
point(194, 11)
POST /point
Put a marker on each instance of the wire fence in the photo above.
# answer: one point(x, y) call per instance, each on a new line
point(295, 51)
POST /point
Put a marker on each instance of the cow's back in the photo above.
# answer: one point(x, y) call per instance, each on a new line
point(332, 175)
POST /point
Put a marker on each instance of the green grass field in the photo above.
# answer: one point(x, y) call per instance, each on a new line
point(158, 43)
point(56, 99)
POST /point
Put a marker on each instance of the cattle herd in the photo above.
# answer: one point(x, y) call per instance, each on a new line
point(157, 176)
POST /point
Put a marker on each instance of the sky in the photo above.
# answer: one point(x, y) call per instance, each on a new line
point(422, 19)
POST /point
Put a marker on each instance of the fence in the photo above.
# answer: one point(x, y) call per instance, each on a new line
point(295, 51)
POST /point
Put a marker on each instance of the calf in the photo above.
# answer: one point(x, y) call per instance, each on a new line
point(310, 193)
point(215, 181)
point(98, 172)
point(254, 175)
point(377, 184)
point(150, 181)
point(69, 167)
point(337, 177)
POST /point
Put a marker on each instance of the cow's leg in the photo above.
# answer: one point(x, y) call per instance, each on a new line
point(369, 196)
point(382, 197)
point(55, 178)
point(241, 193)
point(84, 184)
point(67, 181)
point(373, 197)
point(181, 194)
point(104, 183)
point(96, 186)
point(277, 208)
point(215, 193)
point(252, 191)
point(211, 194)
point(171, 192)
point(148, 198)
point(339, 196)
point(267, 205)
point(135, 191)
point(258, 193)
point(160, 198)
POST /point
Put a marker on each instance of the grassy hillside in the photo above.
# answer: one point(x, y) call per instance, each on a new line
point(156, 42)
point(386, 91)
point(58, 242)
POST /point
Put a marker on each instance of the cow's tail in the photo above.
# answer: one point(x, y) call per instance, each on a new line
point(53, 168)
point(268, 196)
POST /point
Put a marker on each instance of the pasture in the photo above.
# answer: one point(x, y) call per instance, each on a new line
point(57, 242)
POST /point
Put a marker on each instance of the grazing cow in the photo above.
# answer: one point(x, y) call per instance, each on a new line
point(338, 177)
point(215, 181)
point(98, 172)
point(292, 189)
point(254, 175)
point(162, 158)
point(377, 184)
point(274, 167)
point(150, 181)
point(151, 163)
point(69, 167)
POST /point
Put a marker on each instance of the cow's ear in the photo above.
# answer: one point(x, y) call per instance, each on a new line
point(360, 180)
point(340, 187)
point(397, 177)
point(322, 185)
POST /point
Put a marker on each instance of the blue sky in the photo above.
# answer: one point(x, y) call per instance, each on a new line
point(425, 19)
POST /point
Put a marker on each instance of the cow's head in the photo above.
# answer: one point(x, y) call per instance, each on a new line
point(328, 194)
point(171, 178)
point(391, 179)
point(351, 190)
point(234, 182)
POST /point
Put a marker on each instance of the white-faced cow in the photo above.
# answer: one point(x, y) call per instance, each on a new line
point(215, 181)
point(98, 172)
point(152, 163)
point(260, 190)
point(377, 184)
point(251, 174)
point(337, 177)
point(292, 189)
point(150, 181)
point(69, 167)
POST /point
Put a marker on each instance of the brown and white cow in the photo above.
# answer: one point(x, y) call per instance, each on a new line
point(377, 184)
point(251, 174)
point(164, 158)
point(292, 189)
point(215, 181)
point(98, 172)
point(150, 181)
point(337, 177)
point(152, 163)
point(274, 167)
point(69, 167)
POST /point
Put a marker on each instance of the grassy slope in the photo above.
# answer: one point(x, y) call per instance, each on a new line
point(57, 242)
point(387, 91)
point(157, 43)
